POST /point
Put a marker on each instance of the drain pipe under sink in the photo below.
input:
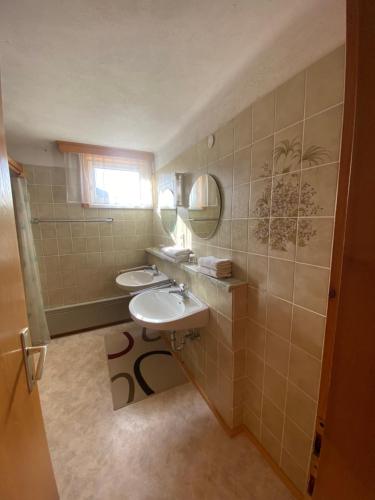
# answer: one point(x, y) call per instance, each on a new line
point(192, 335)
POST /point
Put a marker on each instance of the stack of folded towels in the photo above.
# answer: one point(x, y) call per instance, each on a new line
point(218, 268)
point(178, 254)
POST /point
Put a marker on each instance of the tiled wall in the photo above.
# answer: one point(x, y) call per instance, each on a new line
point(277, 166)
point(78, 261)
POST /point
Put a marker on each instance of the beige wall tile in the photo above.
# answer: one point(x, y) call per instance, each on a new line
point(70, 296)
point(59, 194)
point(240, 203)
point(47, 230)
point(318, 191)
point(44, 194)
point(275, 387)
point(240, 365)
point(51, 264)
point(297, 444)
point(239, 302)
point(290, 99)
point(258, 236)
point(301, 409)
point(288, 149)
point(77, 229)
point(78, 245)
point(58, 177)
point(252, 422)
point(44, 210)
point(49, 246)
point(239, 234)
point(271, 444)
point(42, 175)
point(257, 271)
point(256, 339)
point(253, 399)
point(325, 82)
point(92, 229)
point(211, 345)
point(260, 198)
point(224, 234)
point(256, 306)
point(272, 418)
point(304, 371)
point(239, 264)
point(279, 316)
point(65, 246)
point(106, 243)
point(280, 278)
point(314, 241)
point(242, 129)
point(242, 166)
point(225, 330)
point(255, 369)
point(222, 170)
point(322, 138)
point(69, 278)
point(93, 244)
point(226, 360)
point(239, 334)
point(262, 158)
point(277, 353)
point(292, 470)
point(54, 281)
point(56, 298)
point(311, 287)
point(283, 234)
point(285, 192)
point(63, 230)
point(264, 116)
point(211, 379)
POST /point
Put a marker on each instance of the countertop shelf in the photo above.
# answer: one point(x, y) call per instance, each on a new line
point(228, 283)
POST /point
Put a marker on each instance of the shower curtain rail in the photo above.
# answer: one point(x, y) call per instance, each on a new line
point(36, 220)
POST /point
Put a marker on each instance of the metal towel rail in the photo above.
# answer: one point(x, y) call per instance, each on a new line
point(35, 220)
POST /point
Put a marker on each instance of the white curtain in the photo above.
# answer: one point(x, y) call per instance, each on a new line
point(33, 291)
point(109, 181)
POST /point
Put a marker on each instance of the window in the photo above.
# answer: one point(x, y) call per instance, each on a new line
point(109, 181)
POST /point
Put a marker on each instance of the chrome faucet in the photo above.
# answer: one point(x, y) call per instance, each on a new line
point(155, 270)
point(182, 290)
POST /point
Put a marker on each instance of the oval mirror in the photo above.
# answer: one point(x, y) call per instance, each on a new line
point(168, 210)
point(204, 206)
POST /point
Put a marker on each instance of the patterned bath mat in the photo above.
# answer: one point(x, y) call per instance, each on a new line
point(140, 364)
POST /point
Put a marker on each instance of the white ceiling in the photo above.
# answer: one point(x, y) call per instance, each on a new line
point(148, 74)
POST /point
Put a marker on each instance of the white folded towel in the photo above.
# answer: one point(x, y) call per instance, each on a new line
point(215, 263)
point(213, 273)
point(175, 251)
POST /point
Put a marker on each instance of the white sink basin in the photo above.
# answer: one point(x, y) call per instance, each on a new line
point(136, 280)
point(161, 310)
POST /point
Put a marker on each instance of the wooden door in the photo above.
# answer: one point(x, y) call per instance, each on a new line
point(25, 465)
point(346, 468)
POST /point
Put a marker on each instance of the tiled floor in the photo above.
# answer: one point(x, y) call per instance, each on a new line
point(168, 447)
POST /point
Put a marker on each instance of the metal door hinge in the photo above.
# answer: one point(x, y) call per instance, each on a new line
point(317, 446)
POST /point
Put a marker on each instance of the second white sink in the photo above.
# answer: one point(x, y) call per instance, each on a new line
point(162, 310)
point(132, 281)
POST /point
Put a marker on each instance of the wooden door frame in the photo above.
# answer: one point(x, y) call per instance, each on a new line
point(360, 42)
